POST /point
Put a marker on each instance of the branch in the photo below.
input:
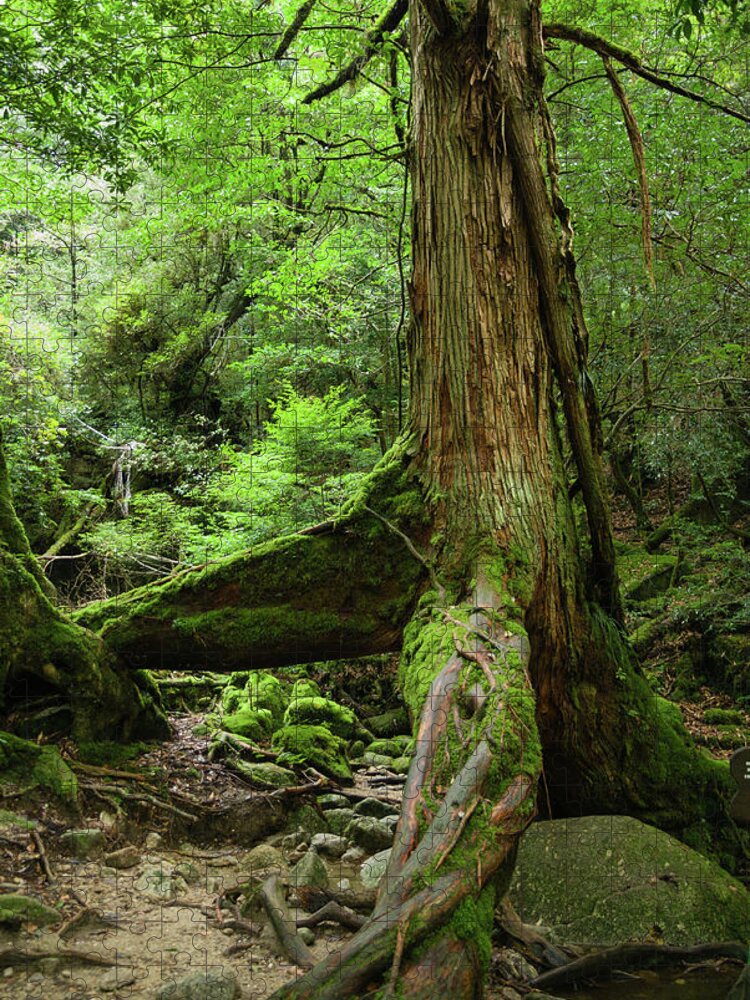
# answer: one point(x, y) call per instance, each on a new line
point(373, 38)
point(596, 43)
point(294, 28)
point(439, 14)
point(639, 158)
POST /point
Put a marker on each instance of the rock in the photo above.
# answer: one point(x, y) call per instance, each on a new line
point(189, 871)
point(160, 882)
point(339, 819)
point(126, 857)
point(353, 855)
point(376, 807)
point(376, 759)
point(310, 870)
point(16, 910)
point(264, 860)
point(344, 884)
point(294, 839)
point(329, 844)
point(394, 747)
point(255, 724)
point(401, 765)
point(370, 833)
point(510, 964)
point(315, 745)
point(116, 979)
point(201, 986)
point(85, 844)
point(332, 801)
point(266, 774)
point(307, 934)
point(321, 711)
point(629, 882)
point(373, 869)
point(153, 841)
point(389, 723)
point(264, 691)
point(508, 993)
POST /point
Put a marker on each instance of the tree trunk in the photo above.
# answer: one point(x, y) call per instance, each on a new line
point(42, 653)
point(516, 644)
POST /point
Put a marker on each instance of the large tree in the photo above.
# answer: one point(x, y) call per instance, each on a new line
point(469, 547)
point(466, 545)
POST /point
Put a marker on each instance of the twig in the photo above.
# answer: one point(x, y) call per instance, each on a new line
point(412, 548)
point(42, 855)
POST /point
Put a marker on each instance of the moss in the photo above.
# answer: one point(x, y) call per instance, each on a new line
point(340, 720)
point(32, 766)
point(305, 687)
point(108, 753)
point(391, 723)
point(316, 746)
point(472, 922)
point(264, 691)
point(723, 716)
point(232, 699)
point(251, 723)
point(16, 910)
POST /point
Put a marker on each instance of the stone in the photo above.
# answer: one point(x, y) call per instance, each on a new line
point(264, 859)
point(353, 855)
point(307, 934)
point(370, 833)
point(159, 883)
point(331, 800)
point(329, 844)
point(376, 759)
point(84, 844)
point(373, 869)
point(116, 979)
point(376, 807)
point(153, 841)
point(126, 857)
point(607, 880)
point(310, 870)
point(17, 909)
point(321, 711)
point(394, 747)
point(189, 871)
point(401, 765)
point(201, 986)
point(339, 819)
point(294, 839)
point(344, 884)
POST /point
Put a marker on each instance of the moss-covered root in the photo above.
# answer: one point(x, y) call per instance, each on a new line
point(469, 795)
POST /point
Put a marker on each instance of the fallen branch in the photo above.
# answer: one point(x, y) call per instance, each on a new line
point(23, 956)
point(270, 894)
point(42, 855)
point(333, 911)
point(313, 898)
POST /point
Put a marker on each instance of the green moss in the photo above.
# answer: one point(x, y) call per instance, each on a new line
point(472, 922)
point(32, 766)
point(16, 910)
point(232, 699)
point(108, 753)
point(305, 687)
point(253, 724)
point(723, 716)
point(264, 691)
point(314, 711)
point(316, 746)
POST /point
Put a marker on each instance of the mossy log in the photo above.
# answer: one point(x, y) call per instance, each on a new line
point(345, 591)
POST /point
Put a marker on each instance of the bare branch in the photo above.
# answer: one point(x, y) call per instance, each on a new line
point(596, 43)
point(639, 158)
point(373, 38)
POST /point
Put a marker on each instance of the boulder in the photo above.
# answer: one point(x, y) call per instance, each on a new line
point(332, 801)
point(315, 745)
point(370, 833)
point(126, 857)
point(376, 807)
point(339, 819)
point(310, 870)
point(606, 880)
point(373, 869)
point(321, 711)
point(329, 844)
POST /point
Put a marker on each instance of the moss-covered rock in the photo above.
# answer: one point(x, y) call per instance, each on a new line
point(303, 688)
point(393, 747)
point(309, 871)
point(85, 843)
point(314, 745)
point(321, 711)
point(233, 699)
point(254, 724)
point(16, 910)
point(265, 774)
point(29, 765)
point(390, 723)
point(264, 691)
point(605, 880)
point(723, 717)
